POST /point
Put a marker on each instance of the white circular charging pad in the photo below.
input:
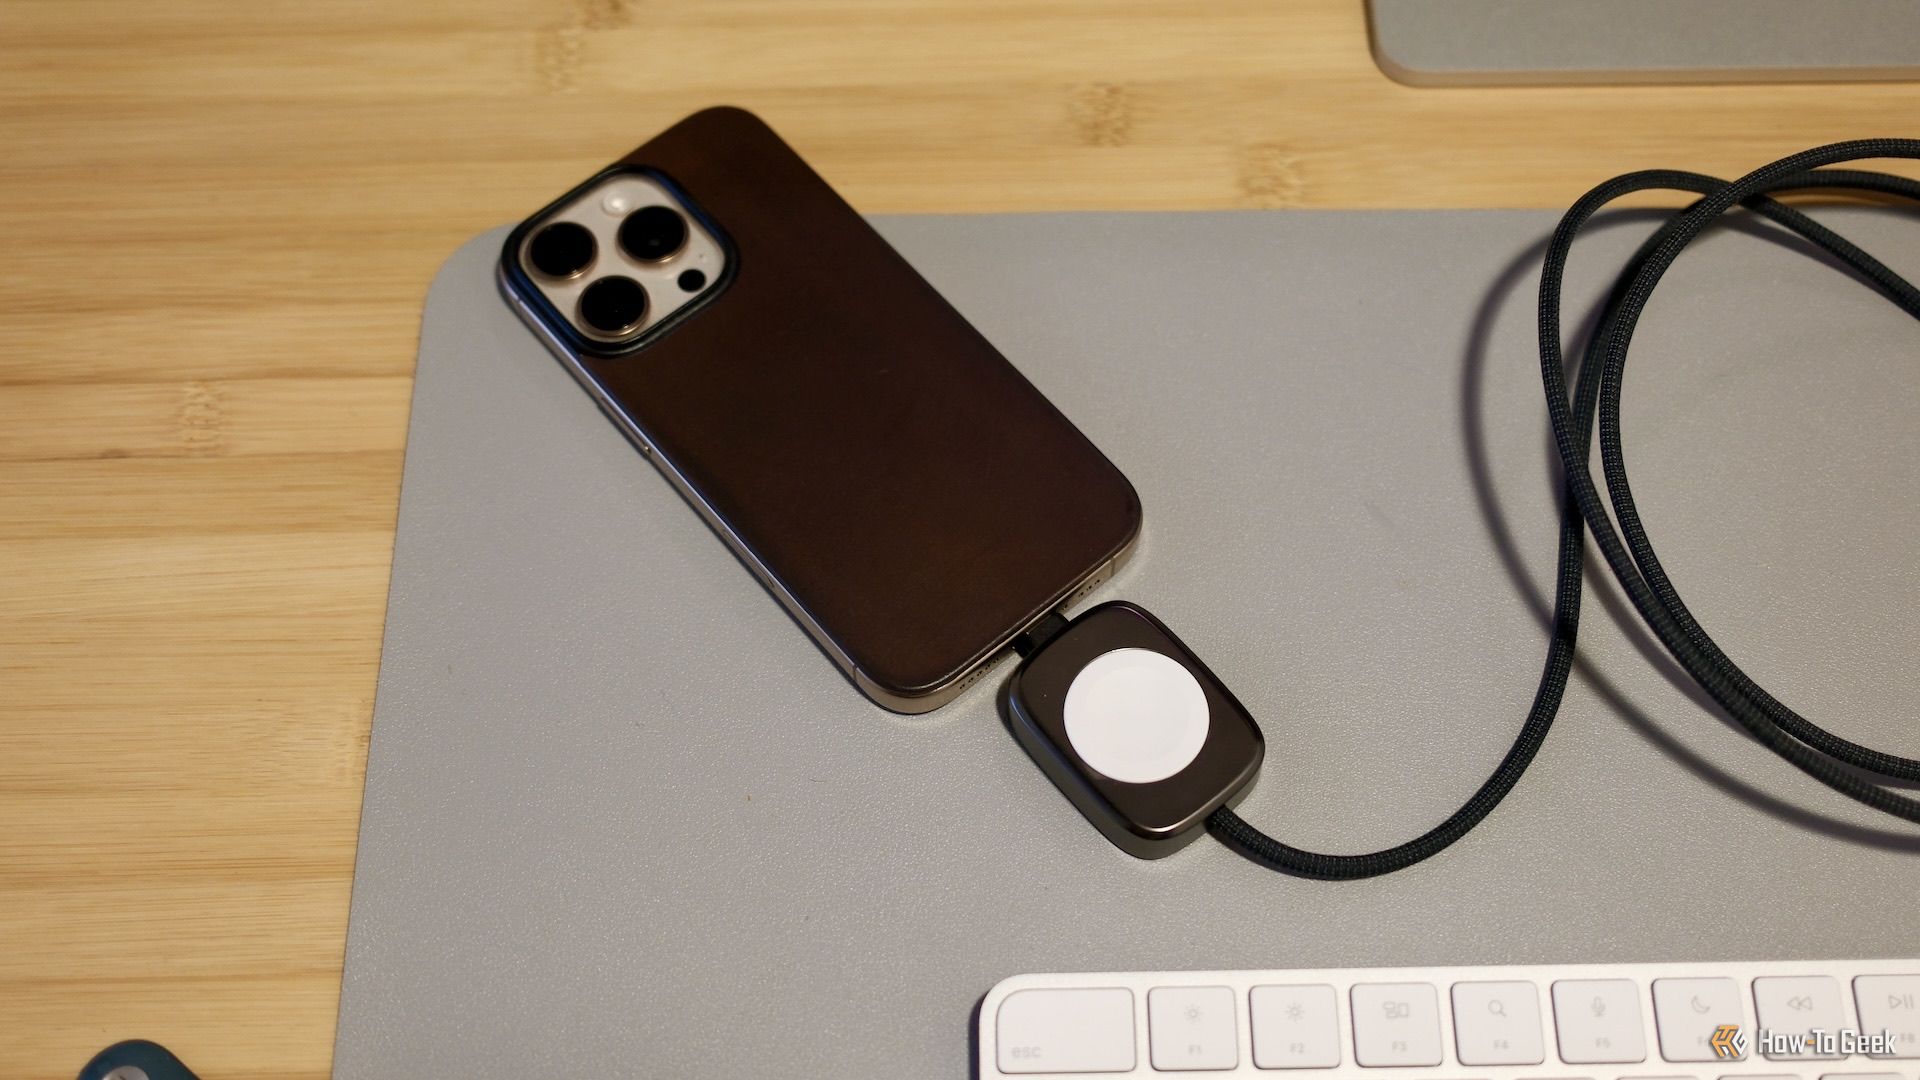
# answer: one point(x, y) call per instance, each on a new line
point(1136, 716)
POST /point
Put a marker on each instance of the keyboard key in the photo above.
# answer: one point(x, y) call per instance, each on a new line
point(1497, 1023)
point(1066, 1031)
point(1295, 1027)
point(1599, 1021)
point(1192, 1028)
point(1687, 1012)
point(1607, 1022)
point(1890, 1003)
point(1396, 1024)
point(1790, 1008)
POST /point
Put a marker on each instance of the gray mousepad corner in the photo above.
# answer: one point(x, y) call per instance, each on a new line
point(621, 814)
point(1474, 42)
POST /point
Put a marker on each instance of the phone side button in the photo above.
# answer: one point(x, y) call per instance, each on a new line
point(619, 422)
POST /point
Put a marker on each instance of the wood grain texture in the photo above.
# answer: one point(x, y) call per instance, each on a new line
point(218, 221)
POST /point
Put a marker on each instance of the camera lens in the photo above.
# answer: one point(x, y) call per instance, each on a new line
point(653, 233)
point(561, 250)
point(613, 305)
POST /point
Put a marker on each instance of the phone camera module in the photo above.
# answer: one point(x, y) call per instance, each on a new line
point(562, 250)
point(653, 234)
point(613, 306)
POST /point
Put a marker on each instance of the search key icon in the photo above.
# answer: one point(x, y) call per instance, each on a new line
point(1498, 1023)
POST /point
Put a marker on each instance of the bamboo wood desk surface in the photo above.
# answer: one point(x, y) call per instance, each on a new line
point(217, 223)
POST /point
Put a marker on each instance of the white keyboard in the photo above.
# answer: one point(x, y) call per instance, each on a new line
point(1560, 1022)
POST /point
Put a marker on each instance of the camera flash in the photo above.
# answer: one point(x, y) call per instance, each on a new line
point(615, 203)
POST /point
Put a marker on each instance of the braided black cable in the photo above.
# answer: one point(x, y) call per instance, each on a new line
point(1597, 392)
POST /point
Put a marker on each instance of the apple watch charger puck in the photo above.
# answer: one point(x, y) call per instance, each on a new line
point(1132, 728)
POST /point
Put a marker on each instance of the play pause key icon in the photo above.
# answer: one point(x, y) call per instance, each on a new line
point(1891, 1003)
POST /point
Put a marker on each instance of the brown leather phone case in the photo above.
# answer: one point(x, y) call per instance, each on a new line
point(905, 492)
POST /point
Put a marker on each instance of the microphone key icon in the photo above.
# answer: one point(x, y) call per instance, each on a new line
point(1599, 1006)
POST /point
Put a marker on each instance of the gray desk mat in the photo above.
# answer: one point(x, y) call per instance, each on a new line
point(1466, 42)
point(622, 818)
